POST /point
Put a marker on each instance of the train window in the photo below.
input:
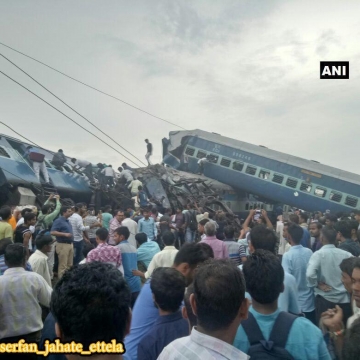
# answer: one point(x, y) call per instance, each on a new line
point(238, 166)
point(251, 170)
point(264, 174)
point(190, 151)
point(247, 206)
point(4, 153)
point(213, 158)
point(200, 154)
point(335, 196)
point(351, 201)
point(225, 162)
point(305, 187)
point(291, 183)
point(277, 179)
point(320, 192)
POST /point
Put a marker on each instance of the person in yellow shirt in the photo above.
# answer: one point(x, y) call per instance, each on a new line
point(6, 230)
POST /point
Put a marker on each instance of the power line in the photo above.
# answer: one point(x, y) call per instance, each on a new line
point(71, 108)
point(91, 87)
point(21, 135)
point(68, 117)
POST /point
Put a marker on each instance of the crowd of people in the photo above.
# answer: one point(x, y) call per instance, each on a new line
point(185, 284)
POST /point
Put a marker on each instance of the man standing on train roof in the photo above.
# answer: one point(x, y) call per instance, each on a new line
point(83, 164)
point(109, 174)
point(59, 159)
point(37, 158)
point(149, 151)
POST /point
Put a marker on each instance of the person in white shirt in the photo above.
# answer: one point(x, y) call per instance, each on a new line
point(21, 294)
point(21, 220)
point(134, 187)
point(38, 260)
point(132, 226)
point(164, 258)
point(78, 228)
point(109, 173)
point(127, 175)
point(86, 165)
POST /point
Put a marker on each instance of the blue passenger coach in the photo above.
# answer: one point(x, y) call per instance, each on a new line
point(275, 176)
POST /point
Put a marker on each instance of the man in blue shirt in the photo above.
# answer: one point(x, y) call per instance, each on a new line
point(264, 277)
point(62, 229)
point(343, 229)
point(262, 238)
point(129, 261)
point(142, 197)
point(295, 262)
point(168, 288)
point(146, 249)
point(145, 314)
point(147, 225)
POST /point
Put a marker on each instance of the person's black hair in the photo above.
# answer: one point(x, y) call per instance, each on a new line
point(141, 238)
point(60, 150)
point(304, 216)
point(5, 213)
point(168, 286)
point(294, 218)
point(15, 255)
point(207, 250)
point(3, 244)
point(78, 206)
point(329, 233)
point(127, 214)
point(45, 208)
point(102, 233)
point(88, 246)
point(140, 187)
point(356, 263)
point(25, 211)
point(191, 317)
point(263, 238)
point(203, 222)
point(146, 139)
point(296, 232)
point(73, 160)
point(219, 291)
point(331, 217)
point(168, 238)
point(123, 230)
point(229, 232)
point(29, 216)
point(91, 303)
point(347, 265)
point(120, 168)
point(43, 240)
point(351, 346)
point(353, 225)
point(123, 164)
point(264, 276)
point(344, 228)
point(64, 209)
point(192, 254)
point(145, 210)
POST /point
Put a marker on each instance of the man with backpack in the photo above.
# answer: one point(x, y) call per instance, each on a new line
point(46, 217)
point(190, 223)
point(37, 159)
point(269, 333)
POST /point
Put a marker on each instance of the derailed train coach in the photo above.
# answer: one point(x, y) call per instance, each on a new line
point(273, 176)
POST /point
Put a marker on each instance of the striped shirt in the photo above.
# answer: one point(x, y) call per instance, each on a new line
point(20, 294)
point(105, 253)
point(200, 346)
point(236, 250)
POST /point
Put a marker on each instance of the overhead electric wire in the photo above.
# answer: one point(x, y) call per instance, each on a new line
point(68, 117)
point(70, 107)
point(91, 87)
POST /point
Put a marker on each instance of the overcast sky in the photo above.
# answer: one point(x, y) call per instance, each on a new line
point(244, 69)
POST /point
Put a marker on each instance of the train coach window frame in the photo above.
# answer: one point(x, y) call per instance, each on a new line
point(305, 187)
point(351, 201)
point(238, 166)
point(190, 151)
point(225, 162)
point(213, 158)
point(317, 192)
point(335, 196)
point(4, 153)
point(264, 174)
point(292, 183)
point(251, 170)
point(276, 178)
point(201, 154)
